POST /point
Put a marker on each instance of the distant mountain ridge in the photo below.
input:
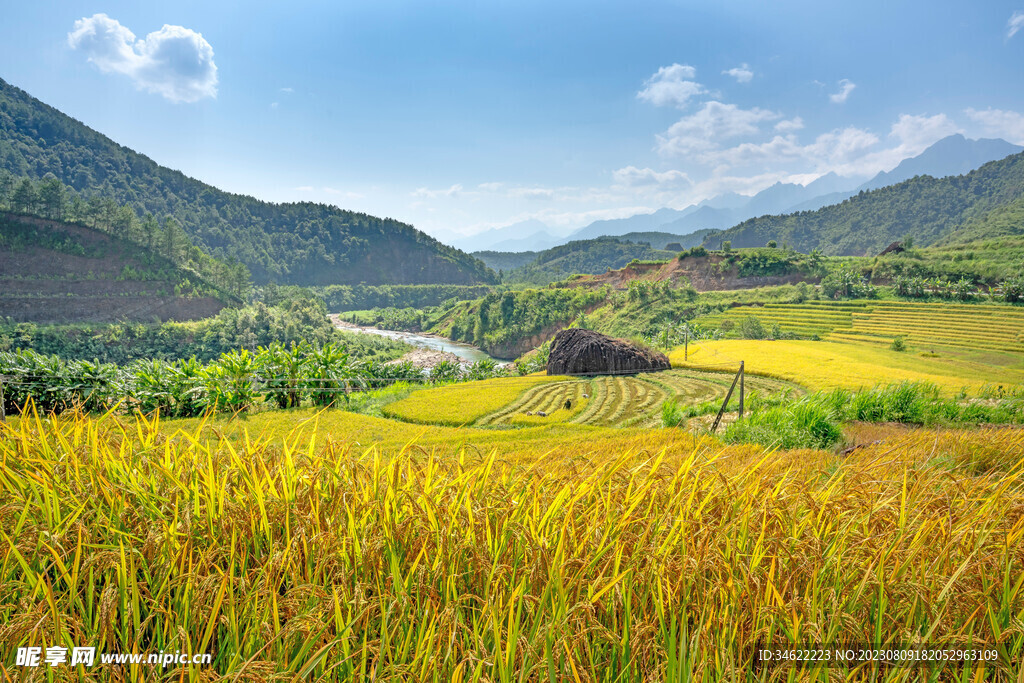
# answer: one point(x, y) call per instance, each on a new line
point(952, 155)
point(293, 243)
point(929, 210)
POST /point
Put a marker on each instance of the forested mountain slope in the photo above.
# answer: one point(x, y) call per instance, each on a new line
point(298, 243)
point(927, 209)
point(56, 272)
point(582, 256)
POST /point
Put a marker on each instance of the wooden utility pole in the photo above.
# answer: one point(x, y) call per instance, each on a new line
point(741, 390)
point(686, 342)
point(3, 413)
point(728, 395)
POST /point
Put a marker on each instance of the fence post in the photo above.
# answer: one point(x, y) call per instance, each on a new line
point(728, 395)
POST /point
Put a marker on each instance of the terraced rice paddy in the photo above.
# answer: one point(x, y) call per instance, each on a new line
point(810, 319)
point(623, 401)
point(460, 404)
point(547, 398)
point(995, 327)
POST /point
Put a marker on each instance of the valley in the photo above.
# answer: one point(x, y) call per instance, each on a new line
point(322, 445)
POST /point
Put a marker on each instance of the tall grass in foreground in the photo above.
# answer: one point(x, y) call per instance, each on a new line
point(311, 560)
point(812, 421)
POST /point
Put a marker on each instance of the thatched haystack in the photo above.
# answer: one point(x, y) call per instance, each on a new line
point(584, 352)
point(894, 248)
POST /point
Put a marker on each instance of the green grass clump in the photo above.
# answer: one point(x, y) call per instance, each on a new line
point(802, 424)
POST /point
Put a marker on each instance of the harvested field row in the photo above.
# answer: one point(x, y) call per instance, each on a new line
point(622, 401)
point(548, 398)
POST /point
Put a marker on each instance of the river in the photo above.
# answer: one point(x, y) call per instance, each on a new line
point(465, 352)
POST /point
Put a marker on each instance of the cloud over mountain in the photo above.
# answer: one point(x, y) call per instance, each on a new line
point(174, 62)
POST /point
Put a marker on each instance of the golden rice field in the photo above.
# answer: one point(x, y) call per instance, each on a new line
point(828, 365)
point(607, 401)
point(637, 555)
point(987, 326)
point(459, 404)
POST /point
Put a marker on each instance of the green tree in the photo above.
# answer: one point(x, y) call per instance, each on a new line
point(172, 241)
point(24, 199)
point(6, 186)
point(51, 197)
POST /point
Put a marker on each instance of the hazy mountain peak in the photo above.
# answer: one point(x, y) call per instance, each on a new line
point(952, 155)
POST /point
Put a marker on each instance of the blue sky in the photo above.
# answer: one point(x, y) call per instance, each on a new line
point(461, 116)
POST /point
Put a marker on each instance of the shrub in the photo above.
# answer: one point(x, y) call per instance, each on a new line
point(898, 344)
point(694, 251)
point(751, 328)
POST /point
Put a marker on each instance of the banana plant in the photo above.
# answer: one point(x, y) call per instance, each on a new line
point(283, 370)
point(231, 382)
point(332, 372)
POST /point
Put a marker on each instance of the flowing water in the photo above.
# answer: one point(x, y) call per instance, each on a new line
point(465, 352)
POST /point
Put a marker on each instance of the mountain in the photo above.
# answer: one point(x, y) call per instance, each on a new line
point(528, 235)
point(644, 222)
point(953, 155)
point(927, 209)
point(295, 243)
point(719, 212)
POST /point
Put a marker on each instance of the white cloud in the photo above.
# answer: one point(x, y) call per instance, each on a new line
point(671, 85)
point(917, 133)
point(289, 90)
point(847, 151)
point(698, 132)
point(273, 105)
point(531, 193)
point(846, 86)
point(631, 176)
point(345, 194)
point(790, 125)
point(1005, 124)
point(1015, 24)
point(741, 73)
point(174, 62)
point(452, 191)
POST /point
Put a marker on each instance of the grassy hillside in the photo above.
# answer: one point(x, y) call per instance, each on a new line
point(583, 256)
point(55, 272)
point(299, 243)
point(661, 240)
point(926, 209)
